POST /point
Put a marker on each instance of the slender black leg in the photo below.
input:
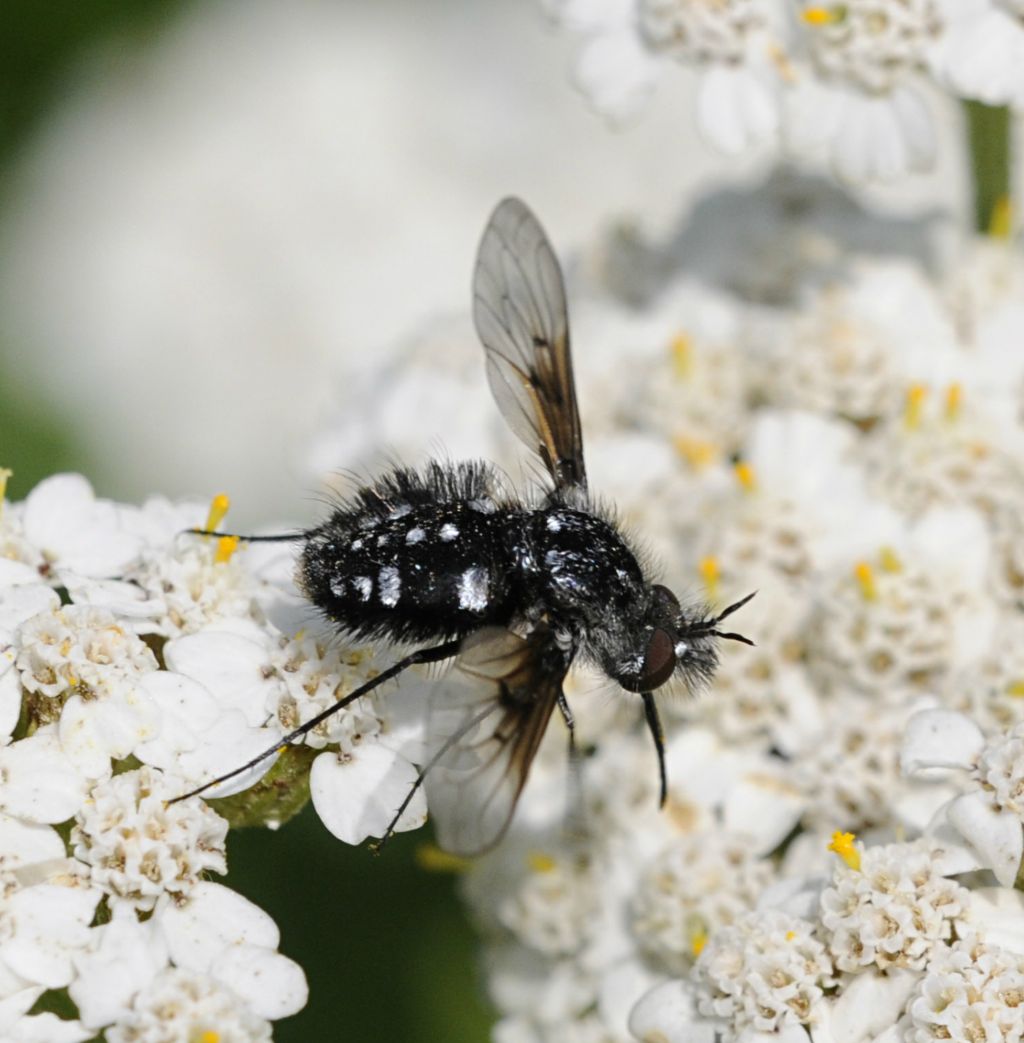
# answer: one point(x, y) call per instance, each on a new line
point(422, 655)
point(654, 725)
point(570, 723)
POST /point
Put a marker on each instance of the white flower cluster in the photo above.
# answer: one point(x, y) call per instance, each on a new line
point(855, 455)
point(135, 664)
point(847, 80)
point(867, 507)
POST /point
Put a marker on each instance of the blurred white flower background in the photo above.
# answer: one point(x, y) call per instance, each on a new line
point(235, 249)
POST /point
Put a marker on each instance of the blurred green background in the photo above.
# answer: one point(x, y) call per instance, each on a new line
point(384, 944)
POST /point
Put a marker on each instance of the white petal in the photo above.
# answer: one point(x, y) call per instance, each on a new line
point(17, 573)
point(668, 1014)
point(126, 955)
point(48, 1028)
point(622, 986)
point(22, 843)
point(41, 784)
point(357, 799)
point(20, 603)
point(616, 73)
point(94, 732)
point(765, 808)
point(51, 922)
point(230, 666)
point(15, 1004)
point(999, 913)
point(940, 739)
point(10, 695)
point(735, 111)
point(212, 918)
point(866, 1004)
point(996, 835)
point(271, 985)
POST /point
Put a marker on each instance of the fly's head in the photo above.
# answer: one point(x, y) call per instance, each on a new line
point(665, 641)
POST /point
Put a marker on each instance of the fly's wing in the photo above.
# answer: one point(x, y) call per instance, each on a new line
point(520, 314)
point(487, 719)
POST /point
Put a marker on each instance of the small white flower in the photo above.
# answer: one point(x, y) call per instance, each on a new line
point(981, 52)
point(765, 972)
point(971, 991)
point(182, 1005)
point(138, 847)
point(75, 532)
point(989, 816)
point(895, 910)
point(697, 885)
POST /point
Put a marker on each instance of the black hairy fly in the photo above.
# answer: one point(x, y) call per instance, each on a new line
point(512, 591)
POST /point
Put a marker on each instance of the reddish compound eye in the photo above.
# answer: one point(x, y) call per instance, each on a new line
point(659, 661)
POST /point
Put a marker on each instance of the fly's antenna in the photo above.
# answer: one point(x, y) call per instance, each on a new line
point(219, 506)
point(710, 626)
point(283, 537)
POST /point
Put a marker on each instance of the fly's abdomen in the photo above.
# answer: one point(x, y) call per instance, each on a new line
point(411, 571)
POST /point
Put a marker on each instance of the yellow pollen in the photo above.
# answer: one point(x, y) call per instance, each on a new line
point(5, 473)
point(817, 15)
point(540, 862)
point(209, 1036)
point(681, 349)
point(889, 560)
point(865, 576)
point(842, 844)
point(1016, 689)
point(698, 939)
point(1000, 221)
point(709, 573)
point(695, 451)
point(954, 399)
point(226, 547)
point(434, 860)
point(218, 510)
point(745, 475)
point(790, 935)
point(916, 395)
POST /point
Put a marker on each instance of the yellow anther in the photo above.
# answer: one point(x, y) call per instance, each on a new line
point(843, 845)
point(819, 15)
point(698, 939)
point(1016, 689)
point(209, 1036)
point(695, 451)
point(889, 560)
point(681, 349)
point(539, 862)
point(226, 547)
point(745, 475)
point(916, 395)
point(709, 573)
point(434, 860)
point(218, 511)
point(954, 400)
point(5, 473)
point(865, 576)
point(790, 935)
point(1000, 221)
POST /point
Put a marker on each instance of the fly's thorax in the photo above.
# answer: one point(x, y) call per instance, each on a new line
point(585, 571)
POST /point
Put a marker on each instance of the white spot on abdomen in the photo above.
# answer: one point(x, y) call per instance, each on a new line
point(400, 510)
point(553, 524)
point(390, 585)
point(483, 505)
point(364, 586)
point(414, 535)
point(448, 532)
point(473, 589)
point(355, 544)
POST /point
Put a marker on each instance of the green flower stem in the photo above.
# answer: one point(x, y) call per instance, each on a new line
point(988, 134)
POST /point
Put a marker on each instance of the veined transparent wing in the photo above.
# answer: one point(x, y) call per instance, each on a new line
point(486, 720)
point(520, 313)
